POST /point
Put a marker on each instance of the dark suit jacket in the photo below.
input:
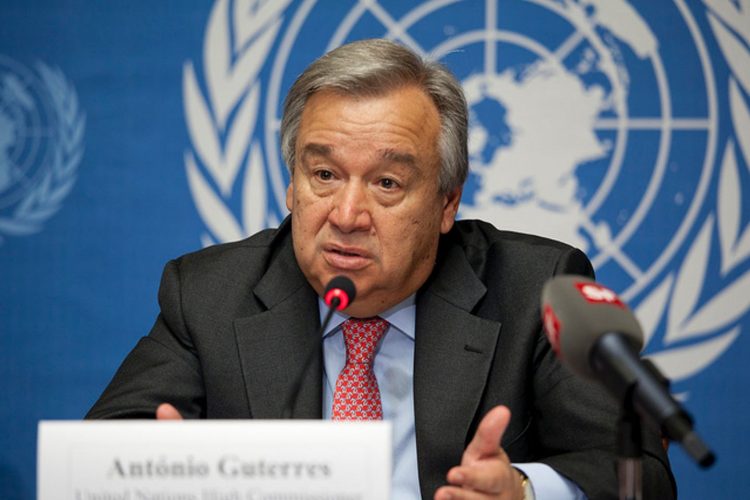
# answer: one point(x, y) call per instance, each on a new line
point(238, 322)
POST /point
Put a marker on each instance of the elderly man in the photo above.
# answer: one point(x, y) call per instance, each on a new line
point(376, 142)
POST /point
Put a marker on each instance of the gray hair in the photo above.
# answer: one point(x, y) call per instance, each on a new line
point(373, 68)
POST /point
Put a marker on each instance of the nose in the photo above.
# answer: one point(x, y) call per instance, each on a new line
point(350, 211)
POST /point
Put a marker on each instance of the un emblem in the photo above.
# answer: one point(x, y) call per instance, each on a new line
point(41, 145)
point(581, 130)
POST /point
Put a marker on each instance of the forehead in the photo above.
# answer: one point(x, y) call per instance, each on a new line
point(403, 122)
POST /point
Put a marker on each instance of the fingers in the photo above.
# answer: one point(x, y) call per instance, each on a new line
point(486, 441)
point(497, 481)
point(513, 492)
point(457, 493)
point(485, 471)
point(166, 411)
point(489, 476)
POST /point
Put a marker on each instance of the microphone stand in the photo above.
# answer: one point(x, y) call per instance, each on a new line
point(629, 451)
point(332, 308)
point(630, 440)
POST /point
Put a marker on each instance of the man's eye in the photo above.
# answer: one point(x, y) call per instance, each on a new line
point(324, 175)
point(388, 183)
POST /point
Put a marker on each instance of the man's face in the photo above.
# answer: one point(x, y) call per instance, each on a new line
point(364, 194)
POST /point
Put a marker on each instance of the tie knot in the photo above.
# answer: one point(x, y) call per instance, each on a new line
point(361, 337)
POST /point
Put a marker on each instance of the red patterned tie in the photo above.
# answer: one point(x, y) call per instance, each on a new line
point(357, 396)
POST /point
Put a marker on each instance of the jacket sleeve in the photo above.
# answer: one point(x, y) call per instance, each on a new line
point(162, 368)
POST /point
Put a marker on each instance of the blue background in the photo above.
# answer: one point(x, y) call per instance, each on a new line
point(76, 296)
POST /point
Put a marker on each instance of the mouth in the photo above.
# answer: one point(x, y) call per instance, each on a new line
point(346, 258)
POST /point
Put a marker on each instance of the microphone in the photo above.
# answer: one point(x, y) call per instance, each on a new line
point(595, 334)
point(338, 295)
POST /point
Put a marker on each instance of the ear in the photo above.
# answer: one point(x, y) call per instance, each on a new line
point(450, 209)
point(290, 195)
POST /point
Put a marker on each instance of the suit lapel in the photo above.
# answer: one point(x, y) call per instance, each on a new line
point(278, 344)
point(454, 350)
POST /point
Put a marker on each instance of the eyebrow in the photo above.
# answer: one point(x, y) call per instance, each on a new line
point(316, 150)
point(389, 155)
point(396, 157)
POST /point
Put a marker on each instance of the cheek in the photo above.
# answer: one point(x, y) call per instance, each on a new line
point(408, 240)
point(307, 208)
point(309, 216)
point(425, 235)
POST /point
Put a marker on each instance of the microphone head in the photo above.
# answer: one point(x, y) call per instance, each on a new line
point(576, 312)
point(341, 288)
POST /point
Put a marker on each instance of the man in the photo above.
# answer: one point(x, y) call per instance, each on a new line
point(376, 141)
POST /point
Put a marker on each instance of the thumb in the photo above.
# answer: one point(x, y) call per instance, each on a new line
point(486, 441)
point(166, 411)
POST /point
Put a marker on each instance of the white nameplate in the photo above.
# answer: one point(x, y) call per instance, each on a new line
point(214, 460)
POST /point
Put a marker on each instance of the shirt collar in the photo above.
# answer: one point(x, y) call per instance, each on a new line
point(401, 316)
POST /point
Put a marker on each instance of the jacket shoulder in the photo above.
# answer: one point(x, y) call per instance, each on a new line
point(243, 256)
point(482, 234)
point(222, 278)
point(506, 253)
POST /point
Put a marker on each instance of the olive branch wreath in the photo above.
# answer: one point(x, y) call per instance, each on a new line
point(221, 123)
point(715, 321)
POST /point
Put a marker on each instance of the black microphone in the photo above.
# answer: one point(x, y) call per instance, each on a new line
point(594, 333)
point(338, 295)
